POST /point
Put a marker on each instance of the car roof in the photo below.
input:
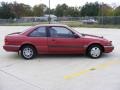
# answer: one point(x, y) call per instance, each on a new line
point(62, 25)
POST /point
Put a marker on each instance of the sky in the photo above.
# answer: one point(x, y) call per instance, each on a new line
point(68, 2)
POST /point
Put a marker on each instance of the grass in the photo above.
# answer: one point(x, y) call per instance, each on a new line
point(78, 24)
point(23, 24)
point(69, 23)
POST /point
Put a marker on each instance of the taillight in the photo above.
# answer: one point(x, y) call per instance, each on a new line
point(6, 41)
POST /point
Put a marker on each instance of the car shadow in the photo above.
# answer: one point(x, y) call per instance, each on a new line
point(69, 56)
point(59, 56)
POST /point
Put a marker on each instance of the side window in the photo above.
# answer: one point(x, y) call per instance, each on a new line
point(39, 32)
point(60, 32)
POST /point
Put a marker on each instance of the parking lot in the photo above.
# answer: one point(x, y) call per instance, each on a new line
point(61, 72)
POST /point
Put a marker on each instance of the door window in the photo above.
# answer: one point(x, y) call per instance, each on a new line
point(39, 32)
point(60, 32)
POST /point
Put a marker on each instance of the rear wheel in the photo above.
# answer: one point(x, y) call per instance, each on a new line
point(94, 51)
point(28, 52)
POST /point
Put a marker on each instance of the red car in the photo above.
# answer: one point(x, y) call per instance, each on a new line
point(56, 39)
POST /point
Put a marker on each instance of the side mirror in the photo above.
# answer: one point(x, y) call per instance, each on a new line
point(76, 36)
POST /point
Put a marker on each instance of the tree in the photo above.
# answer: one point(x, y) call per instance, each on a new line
point(39, 10)
point(61, 10)
point(117, 11)
point(52, 11)
point(17, 10)
point(65, 10)
point(90, 9)
point(73, 11)
point(5, 11)
point(105, 10)
point(20, 9)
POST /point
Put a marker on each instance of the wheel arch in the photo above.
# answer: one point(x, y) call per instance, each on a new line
point(95, 44)
point(28, 44)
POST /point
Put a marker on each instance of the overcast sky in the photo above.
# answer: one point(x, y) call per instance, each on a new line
point(68, 2)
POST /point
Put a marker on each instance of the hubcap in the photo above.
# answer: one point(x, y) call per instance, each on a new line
point(27, 52)
point(95, 52)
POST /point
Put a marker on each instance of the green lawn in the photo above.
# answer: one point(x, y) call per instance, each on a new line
point(78, 24)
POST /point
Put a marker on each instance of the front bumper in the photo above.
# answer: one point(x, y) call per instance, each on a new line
point(11, 48)
point(108, 49)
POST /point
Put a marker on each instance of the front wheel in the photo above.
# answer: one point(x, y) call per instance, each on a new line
point(28, 52)
point(94, 51)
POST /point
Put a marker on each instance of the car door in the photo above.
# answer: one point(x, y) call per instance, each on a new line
point(62, 41)
point(38, 37)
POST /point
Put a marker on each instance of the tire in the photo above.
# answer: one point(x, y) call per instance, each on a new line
point(94, 51)
point(28, 52)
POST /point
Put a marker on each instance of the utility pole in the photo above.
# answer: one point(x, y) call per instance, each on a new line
point(102, 7)
point(49, 18)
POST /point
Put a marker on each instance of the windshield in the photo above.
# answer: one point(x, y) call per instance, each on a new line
point(77, 32)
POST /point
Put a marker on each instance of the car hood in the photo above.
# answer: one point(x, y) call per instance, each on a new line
point(91, 36)
point(94, 37)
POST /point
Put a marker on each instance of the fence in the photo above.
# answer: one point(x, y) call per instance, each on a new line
point(113, 20)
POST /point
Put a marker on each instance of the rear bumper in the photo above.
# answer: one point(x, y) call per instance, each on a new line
point(108, 49)
point(11, 48)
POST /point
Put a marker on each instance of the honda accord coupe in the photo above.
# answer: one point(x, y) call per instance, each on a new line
point(56, 39)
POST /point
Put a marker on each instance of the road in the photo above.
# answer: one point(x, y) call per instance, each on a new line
point(61, 72)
